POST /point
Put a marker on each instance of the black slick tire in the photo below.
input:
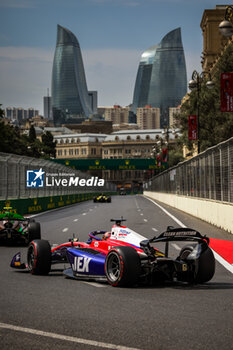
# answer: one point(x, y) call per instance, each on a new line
point(39, 257)
point(34, 231)
point(122, 267)
point(206, 264)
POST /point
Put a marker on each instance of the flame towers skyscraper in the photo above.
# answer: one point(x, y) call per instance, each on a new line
point(71, 102)
point(142, 85)
point(162, 77)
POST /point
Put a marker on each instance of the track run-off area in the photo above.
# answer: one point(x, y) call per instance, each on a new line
point(54, 312)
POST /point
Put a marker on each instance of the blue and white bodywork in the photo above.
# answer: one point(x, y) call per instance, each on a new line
point(86, 264)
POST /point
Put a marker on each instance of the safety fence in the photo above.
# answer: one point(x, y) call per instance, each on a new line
point(14, 171)
point(208, 175)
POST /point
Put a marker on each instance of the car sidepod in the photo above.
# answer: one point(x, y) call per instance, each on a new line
point(86, 263)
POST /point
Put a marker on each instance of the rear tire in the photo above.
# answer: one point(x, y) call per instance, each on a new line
point(122, 267)
point(206, 264)
point(39, 257)
point(34, 231)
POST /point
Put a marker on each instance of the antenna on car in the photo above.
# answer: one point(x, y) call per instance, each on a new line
point(118, 221)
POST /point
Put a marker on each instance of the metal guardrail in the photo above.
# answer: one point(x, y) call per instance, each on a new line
point(208, 175)
point(13, 169)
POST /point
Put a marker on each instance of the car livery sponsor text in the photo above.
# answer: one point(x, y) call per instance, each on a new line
point(180, 233)
point(81, 264)
point(125, 232)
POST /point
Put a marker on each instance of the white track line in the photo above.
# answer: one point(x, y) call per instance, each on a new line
point(154, 229)
point(97, 285)
point(166, 212)
point(75, 220)
point(222, 261)
point(65, 337)
point(145, 220)
point(137, 204)
point(65, 229)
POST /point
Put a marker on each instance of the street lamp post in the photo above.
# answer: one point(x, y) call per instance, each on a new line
point(166, 142)
point(225, 27)
point(195, 83)
point(157, 149)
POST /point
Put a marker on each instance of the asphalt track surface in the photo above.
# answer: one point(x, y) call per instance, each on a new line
point(54, 312)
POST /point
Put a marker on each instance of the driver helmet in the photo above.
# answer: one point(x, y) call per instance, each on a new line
point(106, 235)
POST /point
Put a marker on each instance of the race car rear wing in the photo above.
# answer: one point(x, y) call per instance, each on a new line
point(14, 218)
point(179, 234)
point(174, 234)
point(118, 221)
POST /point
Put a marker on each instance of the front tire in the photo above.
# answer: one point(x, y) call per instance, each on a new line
point(122, 267)
point(39, 257)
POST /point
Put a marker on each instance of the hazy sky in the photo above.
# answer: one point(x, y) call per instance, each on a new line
point(112, 35)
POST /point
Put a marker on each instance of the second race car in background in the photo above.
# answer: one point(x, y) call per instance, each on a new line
point(15, 228)
point(102, 198)
point(123, 257)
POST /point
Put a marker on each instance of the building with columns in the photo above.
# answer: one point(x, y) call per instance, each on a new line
point(213, 41)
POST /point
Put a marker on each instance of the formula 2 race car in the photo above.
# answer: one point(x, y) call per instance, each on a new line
point(123, 257)
point(102, 199)
point(16, 228)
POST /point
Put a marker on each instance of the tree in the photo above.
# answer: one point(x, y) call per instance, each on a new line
point(1, 112)
point(32, 134)
point(215, 126)
point(174, 155)
point(34, 145)
point(11, 140)
point(48, 145)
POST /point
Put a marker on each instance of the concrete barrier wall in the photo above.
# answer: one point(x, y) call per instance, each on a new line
point(217, 213)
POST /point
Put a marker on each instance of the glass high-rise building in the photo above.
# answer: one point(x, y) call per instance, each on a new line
point(71, 102)
point(142, 85)
point(48, 107)
point(167, 79)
